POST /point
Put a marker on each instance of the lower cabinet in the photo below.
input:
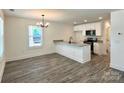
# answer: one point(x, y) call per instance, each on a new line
point(98, 48)
point(80, 54)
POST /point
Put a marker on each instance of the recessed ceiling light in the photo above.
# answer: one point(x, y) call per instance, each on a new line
point(100, 18)
point(85, 20)
point(74, 23)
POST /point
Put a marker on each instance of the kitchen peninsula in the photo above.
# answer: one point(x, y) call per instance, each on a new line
point(75, 51)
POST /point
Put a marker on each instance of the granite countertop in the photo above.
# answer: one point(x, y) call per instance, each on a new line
point(73, 44)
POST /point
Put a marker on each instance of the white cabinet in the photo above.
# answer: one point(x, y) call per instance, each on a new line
point(98, 27)
point(98, 48)
point(83, 33)
point(78, 28)
point(77, 53)
point(86, 53)
point(87, 26)
point(90, 26)
point(59, 49)
point(84, 29)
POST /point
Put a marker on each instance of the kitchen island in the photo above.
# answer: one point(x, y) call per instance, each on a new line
point(75, 51)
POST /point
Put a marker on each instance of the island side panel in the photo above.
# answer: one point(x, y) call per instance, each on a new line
point(78, 53)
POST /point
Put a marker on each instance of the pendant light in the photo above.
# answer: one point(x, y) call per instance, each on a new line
point(43, 24)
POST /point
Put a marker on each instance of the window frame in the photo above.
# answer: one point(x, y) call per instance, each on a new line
point(1, 56)
point(34, 47)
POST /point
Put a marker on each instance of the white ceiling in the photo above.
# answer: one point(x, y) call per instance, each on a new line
point(62, 15)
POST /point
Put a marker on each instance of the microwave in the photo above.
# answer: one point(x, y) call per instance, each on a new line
point(90, 32)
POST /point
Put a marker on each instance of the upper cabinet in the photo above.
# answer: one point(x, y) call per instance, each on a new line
point(87, 26)
point(90, 26)
point(98, 29)
point(78, 28)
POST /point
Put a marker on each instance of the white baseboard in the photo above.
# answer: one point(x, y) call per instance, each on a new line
point(27, 56)
point(2, 65)
point(117, 67)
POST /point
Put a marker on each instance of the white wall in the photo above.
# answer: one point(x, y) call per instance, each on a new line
point(107, 35)
point(2, 61)
point(16, 37)
point(106, 25)
point(117, 41)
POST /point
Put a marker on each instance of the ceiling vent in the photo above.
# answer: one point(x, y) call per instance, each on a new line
point(12, 10)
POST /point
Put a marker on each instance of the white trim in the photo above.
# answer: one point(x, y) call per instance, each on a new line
point(2, 69)
point(121, 68)
point(36, 46)
point(27, 56)
point(2, 37)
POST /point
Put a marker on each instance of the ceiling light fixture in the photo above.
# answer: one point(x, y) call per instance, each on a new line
point(74, 23)
point(85, 20)
point(100, 18)
point(43, 24)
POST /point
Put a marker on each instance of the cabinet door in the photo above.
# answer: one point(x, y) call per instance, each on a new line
point(81, 27)
point(98, 27)
point(69, 51)
point(78, 53)
point(84, 27)
point(87, 26)
point(78, 28)
point(84, 30)
point(96, 48)
point(58, 48)
point(84, 33)
point(86, 53)
point(92, 26)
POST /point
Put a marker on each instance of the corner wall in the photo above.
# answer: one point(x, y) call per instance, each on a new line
point(117, 40)
point(106, 25)
point(2, 61)
point(16, 37)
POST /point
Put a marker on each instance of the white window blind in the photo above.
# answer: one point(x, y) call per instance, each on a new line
point(1, 38)
point(35, 36)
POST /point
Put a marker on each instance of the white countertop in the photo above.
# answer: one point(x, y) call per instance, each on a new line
point(73, 44)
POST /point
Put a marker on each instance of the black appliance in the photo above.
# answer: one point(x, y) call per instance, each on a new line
point(90, 33)
point(91, 41)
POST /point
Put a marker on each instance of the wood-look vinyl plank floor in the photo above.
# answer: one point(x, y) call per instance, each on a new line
point(54, 68)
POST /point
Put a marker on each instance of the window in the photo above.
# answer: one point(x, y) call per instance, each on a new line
point(35, 36)
point(1, 38)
